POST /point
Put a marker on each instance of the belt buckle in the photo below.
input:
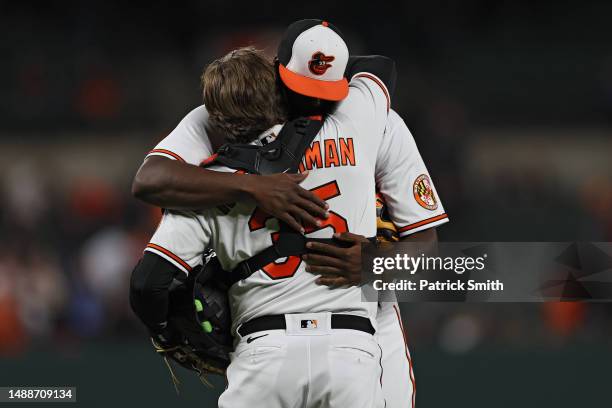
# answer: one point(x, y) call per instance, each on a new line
point(308, 324)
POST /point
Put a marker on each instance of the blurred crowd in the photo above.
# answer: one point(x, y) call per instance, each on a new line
point(65, 258)
point(68, 246)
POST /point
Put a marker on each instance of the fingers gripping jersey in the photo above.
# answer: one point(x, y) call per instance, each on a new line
point(341, 160)
point(404, 182)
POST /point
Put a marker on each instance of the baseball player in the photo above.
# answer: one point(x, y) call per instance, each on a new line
point(298, 343)
point(401, 178)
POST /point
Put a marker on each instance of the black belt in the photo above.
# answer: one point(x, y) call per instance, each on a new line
point(277, 322)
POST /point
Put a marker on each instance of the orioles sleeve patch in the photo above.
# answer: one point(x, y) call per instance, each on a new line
point(423, 192)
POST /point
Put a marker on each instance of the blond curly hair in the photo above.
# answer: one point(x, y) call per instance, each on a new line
point(241, 94)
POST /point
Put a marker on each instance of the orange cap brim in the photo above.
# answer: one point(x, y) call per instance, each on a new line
point(315, 88)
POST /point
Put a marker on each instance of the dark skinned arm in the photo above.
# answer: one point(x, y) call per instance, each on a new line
point(171, 184)
point(340, 266)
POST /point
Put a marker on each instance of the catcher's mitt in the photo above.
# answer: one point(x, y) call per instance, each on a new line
point(199, 316)
point(385, 229)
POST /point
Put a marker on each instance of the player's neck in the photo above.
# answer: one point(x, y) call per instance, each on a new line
point(217, 138)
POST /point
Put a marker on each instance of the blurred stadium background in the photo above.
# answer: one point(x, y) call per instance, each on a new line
point(510, 103)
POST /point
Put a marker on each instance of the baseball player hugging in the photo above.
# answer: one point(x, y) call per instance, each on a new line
point(298, 343)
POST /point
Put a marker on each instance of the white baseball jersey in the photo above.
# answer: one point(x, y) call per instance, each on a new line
point(341, 160)
point(188, 142)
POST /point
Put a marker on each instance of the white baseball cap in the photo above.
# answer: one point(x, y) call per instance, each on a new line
point(312, 59)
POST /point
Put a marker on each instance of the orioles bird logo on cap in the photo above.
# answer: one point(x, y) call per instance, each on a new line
point(320, 63)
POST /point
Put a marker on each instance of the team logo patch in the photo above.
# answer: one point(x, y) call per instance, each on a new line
point(320, 63)
point(309, 324)
point(423, 192)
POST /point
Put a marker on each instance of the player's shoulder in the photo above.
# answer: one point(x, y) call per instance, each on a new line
point(197, 116)
point(394, 118)
point(193, 124)
point(366, 101)
point(363, 84)
point(395, 122)
point(396, 126)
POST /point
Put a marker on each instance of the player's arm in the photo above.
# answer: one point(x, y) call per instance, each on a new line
point(171, 178)
point(411, 199)
point(149, 294)
point(172, 184)
point(174, 250)
point(428, 235)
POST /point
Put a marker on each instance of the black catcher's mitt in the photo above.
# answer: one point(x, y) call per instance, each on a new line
point(199, 317)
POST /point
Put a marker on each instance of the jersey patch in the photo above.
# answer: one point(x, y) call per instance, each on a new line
point(423, 192)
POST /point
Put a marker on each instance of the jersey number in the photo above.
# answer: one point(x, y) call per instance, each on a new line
point(286, 268)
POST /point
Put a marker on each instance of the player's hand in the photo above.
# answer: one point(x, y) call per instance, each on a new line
point(281, 196)
point(338, 266)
